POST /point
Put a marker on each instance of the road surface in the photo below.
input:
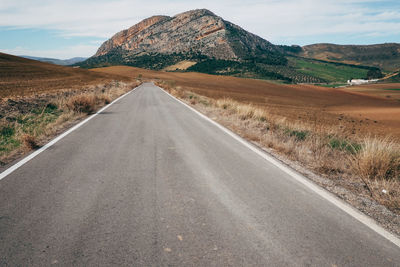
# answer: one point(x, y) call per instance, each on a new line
point(148, 182)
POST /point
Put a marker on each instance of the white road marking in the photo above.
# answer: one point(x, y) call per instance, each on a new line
point(58, 138)
point(300, 178)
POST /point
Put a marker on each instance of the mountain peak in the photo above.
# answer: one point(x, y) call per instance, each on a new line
point(197, 31)
point(196, 12)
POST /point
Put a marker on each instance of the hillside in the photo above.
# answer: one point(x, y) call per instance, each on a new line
point(200, 36)
point(215, 46)
point(333, 72)
point(384, 56)
point(21, 76)
point(62, 62)
point(193, 32)
point(197, 36)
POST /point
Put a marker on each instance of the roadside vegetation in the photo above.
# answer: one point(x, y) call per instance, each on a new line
point(365, 164)
point(28, 122)
point(40, 100)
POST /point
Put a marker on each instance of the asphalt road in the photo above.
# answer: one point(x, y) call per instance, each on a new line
point(150, 183)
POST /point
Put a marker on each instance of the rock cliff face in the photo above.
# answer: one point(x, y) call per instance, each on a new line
point(198, 31)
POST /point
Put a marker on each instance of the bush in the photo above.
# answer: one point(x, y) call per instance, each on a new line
point(374, 74)
point(224, 103)
point(30, 141)
point(106, 99)
point(244, 111)
point(344, 145)
point(299, 135)
point(51, 108)
point(7, 131)
point(378, 159)
point(82, 104)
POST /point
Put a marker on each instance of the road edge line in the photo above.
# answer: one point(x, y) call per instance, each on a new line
point(26, 159)
point(344, 206)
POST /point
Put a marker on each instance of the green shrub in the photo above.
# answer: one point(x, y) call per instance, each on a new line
point(7, 131)
point(299, 135)
point(351, 147)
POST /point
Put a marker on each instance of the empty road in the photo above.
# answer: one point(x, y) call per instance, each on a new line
point(148, 182)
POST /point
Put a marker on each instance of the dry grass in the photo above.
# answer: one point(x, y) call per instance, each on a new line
point(30, 141)
point(367, 164)
point(244, 111)
point(39, 100)
point(378, 159)
point(28, 122)
point(89, 102)
point(105, 98)
point(84, 103)
point(224, 103)
point(183, 65)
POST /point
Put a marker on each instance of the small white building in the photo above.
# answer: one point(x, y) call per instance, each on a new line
point(360, 81)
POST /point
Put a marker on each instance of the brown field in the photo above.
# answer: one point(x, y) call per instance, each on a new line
point(324, 129)
point(20, 76)
point(356, 112)
point(389, 91)
point(40, 100)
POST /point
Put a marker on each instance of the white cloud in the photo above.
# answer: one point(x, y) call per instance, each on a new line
point(63, 53)
point(274, 20)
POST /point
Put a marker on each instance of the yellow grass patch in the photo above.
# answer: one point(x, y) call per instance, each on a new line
point(183, 65)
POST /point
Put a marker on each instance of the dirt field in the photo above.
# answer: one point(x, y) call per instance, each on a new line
point(40, 100)
point(356, 112)
point(20, 76)
point(386, 90)
point(38, 103)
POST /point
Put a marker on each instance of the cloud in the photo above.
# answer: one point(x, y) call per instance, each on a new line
point(60, 53)
point(274, 20)
point(281, 20)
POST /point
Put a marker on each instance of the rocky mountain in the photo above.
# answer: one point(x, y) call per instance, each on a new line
point(385, 56)
point(198, 31)
point(201, 41)
point(62, 62)
point(197, 35)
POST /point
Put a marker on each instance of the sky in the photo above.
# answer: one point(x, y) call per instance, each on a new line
point(65, 29)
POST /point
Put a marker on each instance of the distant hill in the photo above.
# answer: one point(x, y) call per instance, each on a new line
point(384, 56)
point(21, 76)
point(194, 32)
point(199, 36)
point(394, 79)
point(62, 62)
point(204, 42)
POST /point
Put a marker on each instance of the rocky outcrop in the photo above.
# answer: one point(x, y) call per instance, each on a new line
point(197, 31)
point(122, 38)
